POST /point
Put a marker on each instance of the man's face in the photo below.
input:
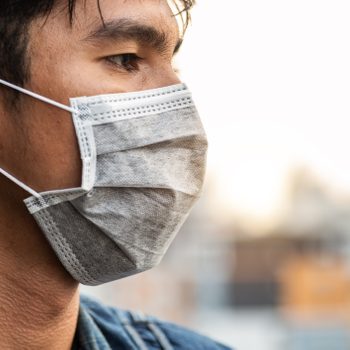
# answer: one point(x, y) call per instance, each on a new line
point(132, 51)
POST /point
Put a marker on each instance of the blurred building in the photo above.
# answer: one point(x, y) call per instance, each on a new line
point(301, 269)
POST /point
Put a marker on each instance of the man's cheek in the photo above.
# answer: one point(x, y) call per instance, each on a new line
point(51, 154)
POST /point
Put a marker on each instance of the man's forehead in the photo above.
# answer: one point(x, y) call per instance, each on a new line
point(158, 13)
point(148, 21)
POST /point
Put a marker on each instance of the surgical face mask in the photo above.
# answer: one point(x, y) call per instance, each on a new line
point(143, 163)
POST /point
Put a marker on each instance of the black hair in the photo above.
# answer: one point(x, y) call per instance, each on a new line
point(15, 18)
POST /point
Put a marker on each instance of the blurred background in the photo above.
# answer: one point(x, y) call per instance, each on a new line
point(263, 262)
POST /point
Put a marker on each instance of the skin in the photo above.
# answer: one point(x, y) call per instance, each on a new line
point(39, 299)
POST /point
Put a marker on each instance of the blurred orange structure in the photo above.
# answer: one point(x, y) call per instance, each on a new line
point(313, 283)
point(301, 276)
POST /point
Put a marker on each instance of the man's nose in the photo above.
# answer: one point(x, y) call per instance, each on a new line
point(163, 75)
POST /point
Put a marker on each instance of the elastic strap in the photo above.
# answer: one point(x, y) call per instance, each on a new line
point(39, 97)
point(19, 183)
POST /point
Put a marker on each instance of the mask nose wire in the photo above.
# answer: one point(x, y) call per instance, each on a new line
point(39, 97)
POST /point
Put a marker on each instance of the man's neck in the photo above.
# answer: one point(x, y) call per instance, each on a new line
point(39, 300)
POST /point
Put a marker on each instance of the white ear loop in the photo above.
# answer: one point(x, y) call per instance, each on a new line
point(20, 184)
point(41, 98)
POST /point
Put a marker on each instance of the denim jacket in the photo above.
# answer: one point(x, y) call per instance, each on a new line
point(101, 327)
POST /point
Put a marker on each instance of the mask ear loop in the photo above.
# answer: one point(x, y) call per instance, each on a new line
point(41, 98)
point(20, 184)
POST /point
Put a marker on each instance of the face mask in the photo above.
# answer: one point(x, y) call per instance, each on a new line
point(143, 163)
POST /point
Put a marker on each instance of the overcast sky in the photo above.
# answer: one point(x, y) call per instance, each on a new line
point(272, 83)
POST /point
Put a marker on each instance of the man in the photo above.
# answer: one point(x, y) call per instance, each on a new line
point(67, 48)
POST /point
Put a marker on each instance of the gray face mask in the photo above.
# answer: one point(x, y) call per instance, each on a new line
point(143, 163)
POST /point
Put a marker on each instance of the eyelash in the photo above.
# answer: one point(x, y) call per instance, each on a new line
point(131, 65)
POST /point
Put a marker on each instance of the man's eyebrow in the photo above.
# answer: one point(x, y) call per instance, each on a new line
point(127, 29)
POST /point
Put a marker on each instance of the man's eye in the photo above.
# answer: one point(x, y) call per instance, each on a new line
point(127, 61)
